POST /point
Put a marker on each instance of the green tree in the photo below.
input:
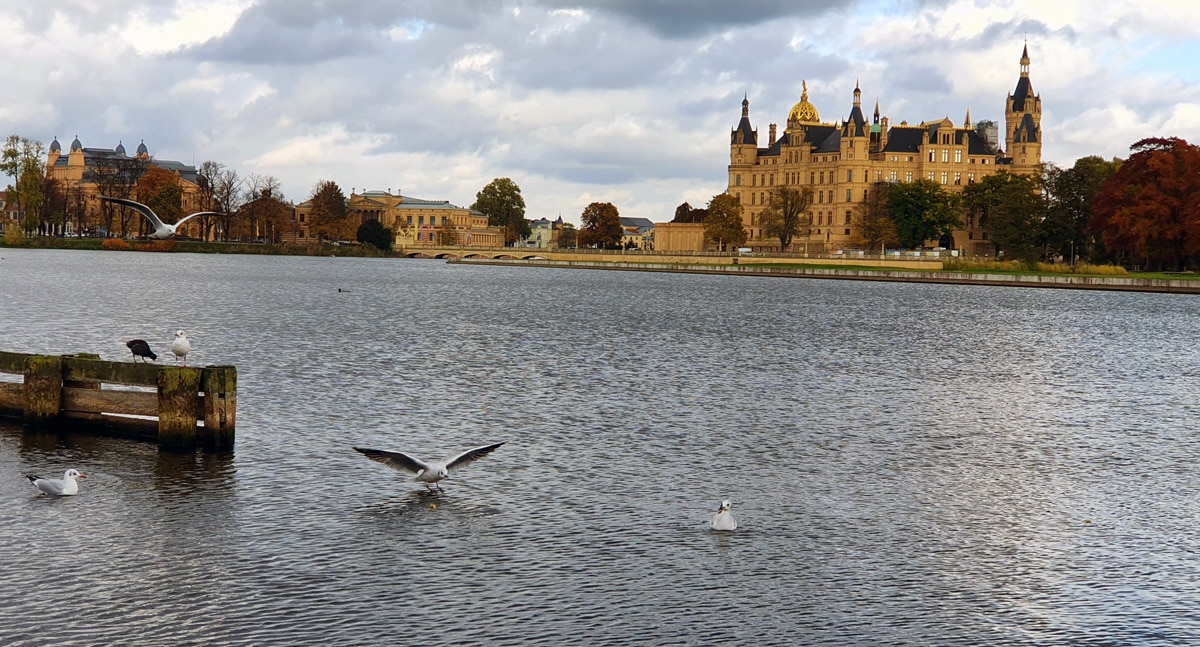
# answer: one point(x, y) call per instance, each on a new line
point(30, 196)
point(1070, 193)
point(22, 160)
point(1149, 209)
point(503, 205)
point(723, 225)
point(872, 222)
point(568, 236)
point(372, 232)
point(601, 226)
point(786, 215)
point(1011, 208)
point(329, 218)
point(922, 211)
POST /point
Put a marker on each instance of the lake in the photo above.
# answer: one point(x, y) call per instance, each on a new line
point(909, 464)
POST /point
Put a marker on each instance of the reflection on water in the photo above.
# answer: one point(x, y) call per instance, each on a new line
point(908, 464)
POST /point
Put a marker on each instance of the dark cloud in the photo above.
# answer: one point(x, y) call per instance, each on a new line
point(687, 18)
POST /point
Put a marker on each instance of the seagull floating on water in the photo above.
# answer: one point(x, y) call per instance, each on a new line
point(65, 486)
point(427, 473)
point(723, 520)
point(181, 347)
point(162, 230)
point(141, 349)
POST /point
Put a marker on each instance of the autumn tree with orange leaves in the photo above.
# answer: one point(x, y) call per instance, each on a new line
point(1148, 212)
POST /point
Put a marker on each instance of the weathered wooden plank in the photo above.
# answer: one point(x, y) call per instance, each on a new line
point(132, 373)
point(43, 389)
point(13, 362)
point(178, 406)
point(118, 425)
point(134, 403)
point(219, 405)
point(12, 399)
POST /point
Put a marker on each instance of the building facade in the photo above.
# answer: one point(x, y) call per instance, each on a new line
point(415, 221)
point(842, 162)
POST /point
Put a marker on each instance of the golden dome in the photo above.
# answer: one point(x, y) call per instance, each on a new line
point(804, 112)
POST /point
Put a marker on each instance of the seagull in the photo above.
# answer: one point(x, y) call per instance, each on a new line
point(427, 473)
point(723, 520)
point(141, 349)
point(181, 346)
point(162, 230)
point(65, 486)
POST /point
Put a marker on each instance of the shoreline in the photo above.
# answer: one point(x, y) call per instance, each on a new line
point(1065, 281)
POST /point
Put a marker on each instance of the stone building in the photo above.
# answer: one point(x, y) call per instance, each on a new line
point(415, 221)
point(841, 162)
point(78, 168)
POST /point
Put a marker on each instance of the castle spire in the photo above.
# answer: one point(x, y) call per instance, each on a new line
point(877, 111)
point(857, 93)
point(967, 123)
point(746, 105)
point(1025, 61)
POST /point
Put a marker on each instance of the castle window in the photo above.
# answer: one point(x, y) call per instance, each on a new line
point(896, 158)
point(932, 156)
point(812, 177)
point(908, 176)
point(847, 220)
point(957, 178)
point(892, 176)
point(945, 177)
point(848, 198)
point(737, 181)
point(849, 175)
point(970, 178)
point(822, 177)
point(931, 176)
point(945, 156)
point(958, 157)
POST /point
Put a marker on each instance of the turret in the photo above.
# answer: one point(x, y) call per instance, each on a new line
point(1023, 123)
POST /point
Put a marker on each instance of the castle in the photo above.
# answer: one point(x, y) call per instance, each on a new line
point(842, 162)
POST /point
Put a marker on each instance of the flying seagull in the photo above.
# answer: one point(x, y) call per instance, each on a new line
point(162, 230)
point(427, 473)
point(141, 349)
point(181, 346)
point(723, 520)
point(65, 486)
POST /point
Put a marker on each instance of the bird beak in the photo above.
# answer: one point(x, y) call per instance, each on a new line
point(82, 476)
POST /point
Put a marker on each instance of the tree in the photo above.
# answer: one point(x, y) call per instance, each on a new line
point(160, 190)
point(329, 218)
point(1011, 208)
point(372, 232)
point(1070, 193)
point(568, 236)
point(264, 214)
point(601, 226)
point(922, 211)
point(503, 205)
point(872, 222)
point(21, 159)
point(116, 177)
point(685, 213)
point(1149, 209)
point(786, 214)
point(723, 224)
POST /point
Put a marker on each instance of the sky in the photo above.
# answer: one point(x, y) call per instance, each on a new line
point(622, 101)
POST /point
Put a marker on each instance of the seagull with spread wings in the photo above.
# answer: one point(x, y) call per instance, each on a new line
point(162, 230)
point(427, 473)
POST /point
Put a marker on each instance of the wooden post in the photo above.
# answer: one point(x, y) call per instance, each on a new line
point(81, 384)
point(178, 406)
point(220, 405)
point(43, 389)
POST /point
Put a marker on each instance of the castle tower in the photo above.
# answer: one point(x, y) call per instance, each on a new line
point(1023, 124)
point(743, 140)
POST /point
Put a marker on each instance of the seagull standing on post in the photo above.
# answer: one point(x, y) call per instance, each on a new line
point(162, 230)
point(181, 346)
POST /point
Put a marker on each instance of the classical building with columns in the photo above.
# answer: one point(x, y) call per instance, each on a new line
point(841, 162)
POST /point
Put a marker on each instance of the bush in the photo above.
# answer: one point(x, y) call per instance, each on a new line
point(118, 244)
point(13, 236)
point(156, 246)
point(372, 232)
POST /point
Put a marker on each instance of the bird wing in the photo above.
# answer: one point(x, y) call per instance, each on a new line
point(471, 455)
point(395, 460)
point(198, 213)
point(50, 486)
point(138, 207)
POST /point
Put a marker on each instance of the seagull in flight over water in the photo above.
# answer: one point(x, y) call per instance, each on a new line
point(162, 230)
point(427, 473)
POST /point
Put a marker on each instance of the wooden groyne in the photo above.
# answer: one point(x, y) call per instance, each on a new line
point(191, 406)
